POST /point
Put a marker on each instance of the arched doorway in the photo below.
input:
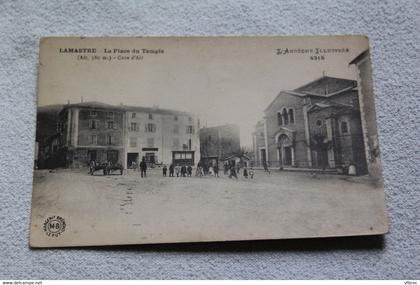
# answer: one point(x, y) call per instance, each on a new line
point(285, 150)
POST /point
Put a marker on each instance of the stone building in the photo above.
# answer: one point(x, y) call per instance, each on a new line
point(90, 131)
point(317, 125)
point(161, 136)
point(219, 142)
point(47, 138)
point(367, 104)
point(82, 132)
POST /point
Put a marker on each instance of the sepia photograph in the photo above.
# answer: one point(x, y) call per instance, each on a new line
point(199, 139)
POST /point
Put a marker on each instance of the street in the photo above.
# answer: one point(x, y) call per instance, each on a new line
point(166, 209)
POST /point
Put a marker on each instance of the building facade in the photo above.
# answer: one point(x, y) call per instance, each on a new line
point(317, 125)
point(219, 142)
point(90, 131)
point(83, 132)
point(367, 104)
point(161, 136)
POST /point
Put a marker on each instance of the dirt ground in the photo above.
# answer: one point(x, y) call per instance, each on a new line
point(119, 209)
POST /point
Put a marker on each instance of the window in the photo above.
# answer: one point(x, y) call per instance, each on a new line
point(176, 143)
point(150, 128)
point(150, 142)
point(279, 119)
point(133, 142)
point(176, 129)
point(133, 115)
point(150, 116)
point(110, 114)
point(190, 129)
point(93, 124)
point(93, 139)
point(93, 113)
point(189, 119)
point(344, 128)
point(262, 134)
point(175, 118)
point(110, 139)
point(133, 127)
point(291, 116)
point(189, 144)
point(110, 124)
point(285, 117)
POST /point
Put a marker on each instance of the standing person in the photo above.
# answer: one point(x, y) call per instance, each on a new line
point(225, 168)
point(251, 173)
point(171, 170)
point(143, 168)
point(92, 166)
point(165, 169)
point(266, 167)
point(189, 170)
point(177, 170)
point(245, 173)
point(183, 170)
point(233, 172)
point(216, 170)
point(199, 171)
point(211, 170)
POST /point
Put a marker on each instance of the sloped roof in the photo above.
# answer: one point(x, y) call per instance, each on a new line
point(325, 86)
point(324, 105)
point(154, 110)
point(361, 56)
point(91, 104)
point(100, 105)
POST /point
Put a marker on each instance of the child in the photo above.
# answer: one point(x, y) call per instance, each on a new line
point(251, 173)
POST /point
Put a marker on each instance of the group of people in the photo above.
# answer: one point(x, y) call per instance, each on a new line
point(178, 170)
point(232, 170)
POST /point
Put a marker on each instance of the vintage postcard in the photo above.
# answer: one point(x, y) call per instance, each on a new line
point(196, 139)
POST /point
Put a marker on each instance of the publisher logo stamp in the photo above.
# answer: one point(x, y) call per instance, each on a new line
point(54, 226)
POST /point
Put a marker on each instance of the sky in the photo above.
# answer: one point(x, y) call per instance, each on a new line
point(222, 80)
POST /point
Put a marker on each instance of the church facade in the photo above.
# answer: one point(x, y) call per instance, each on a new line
point(316, 125)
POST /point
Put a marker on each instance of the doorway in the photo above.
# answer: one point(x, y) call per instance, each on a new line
point(132, 159)
point(287, 155)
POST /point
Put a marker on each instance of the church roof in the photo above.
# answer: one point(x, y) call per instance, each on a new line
point(325, 86)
